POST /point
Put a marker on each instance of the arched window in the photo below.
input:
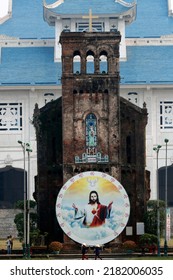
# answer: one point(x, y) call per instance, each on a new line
point(91, 134)
point(103, 62)
point(90, 62)
point(76, 63)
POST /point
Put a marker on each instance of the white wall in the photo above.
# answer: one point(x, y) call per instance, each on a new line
point(154, 135)
point(11, 153)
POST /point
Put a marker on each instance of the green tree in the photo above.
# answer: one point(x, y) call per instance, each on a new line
point(19, 218)
point(151, 217)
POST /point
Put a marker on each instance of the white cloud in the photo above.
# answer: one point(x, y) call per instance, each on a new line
point(97, 233)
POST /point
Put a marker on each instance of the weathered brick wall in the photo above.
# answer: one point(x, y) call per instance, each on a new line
point(120, 131)
point(48, 124)
point(133, 178)
point(96, 93)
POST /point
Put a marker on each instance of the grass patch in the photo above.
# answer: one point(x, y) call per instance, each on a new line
point(162, 258)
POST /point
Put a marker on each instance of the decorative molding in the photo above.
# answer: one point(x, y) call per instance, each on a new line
point(161, 41)
point(170, 8)
point(125, 4)
point(98, 158)
point(7, 42)
point(5, 18)
point(8, 160)
point(54, 5)
point(167, 36)
point(5, 37)
point(9, 13)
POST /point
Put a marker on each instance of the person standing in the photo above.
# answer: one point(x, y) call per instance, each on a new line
point(97, 252)
point(11, 241)
point(84, 251)
point(8, 243)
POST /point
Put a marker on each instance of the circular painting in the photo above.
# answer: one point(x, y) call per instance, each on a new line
point(92, 208)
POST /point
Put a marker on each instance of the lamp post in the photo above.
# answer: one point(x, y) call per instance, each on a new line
point(157, 149)
point(28, 204)
point(26, 211)
point(24, 198)
point(166, 198)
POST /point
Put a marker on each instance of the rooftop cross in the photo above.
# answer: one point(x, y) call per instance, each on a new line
point(90, 17)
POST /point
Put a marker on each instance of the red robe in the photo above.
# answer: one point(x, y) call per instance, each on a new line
point(99, 216)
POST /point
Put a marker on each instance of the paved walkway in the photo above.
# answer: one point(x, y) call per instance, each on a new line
point(107, 256)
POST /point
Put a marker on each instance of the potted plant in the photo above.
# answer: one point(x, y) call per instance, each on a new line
point(148, 242)
point(55, 247)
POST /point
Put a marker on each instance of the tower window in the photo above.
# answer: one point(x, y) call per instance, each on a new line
point(76, 63)
point(91, 134)
point(84, 26)
point(103, 63)
point(90, 62)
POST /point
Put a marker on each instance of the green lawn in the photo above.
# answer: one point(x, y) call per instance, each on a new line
point(163, 258)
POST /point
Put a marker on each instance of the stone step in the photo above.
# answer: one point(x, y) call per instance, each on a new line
point(8, 226)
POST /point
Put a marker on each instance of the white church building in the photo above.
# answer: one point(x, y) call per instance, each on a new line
point(30, 70)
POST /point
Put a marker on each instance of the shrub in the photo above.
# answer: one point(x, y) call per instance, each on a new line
point(19, 218)
point(55, 246)
point(129, 245)
point(150, 217)
point(147, 239)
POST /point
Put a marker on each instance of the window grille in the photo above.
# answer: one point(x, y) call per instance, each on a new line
point(84, 26)
point(166, 114)
point(10, 116)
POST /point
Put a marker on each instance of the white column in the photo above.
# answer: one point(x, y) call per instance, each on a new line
point(107, 25)
point(121, 29)
point(73, 25)
point(57, 50)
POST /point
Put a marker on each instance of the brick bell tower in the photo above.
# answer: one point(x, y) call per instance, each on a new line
point(90, 103)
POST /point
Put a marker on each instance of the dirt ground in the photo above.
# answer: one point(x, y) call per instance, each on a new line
point(16, 244)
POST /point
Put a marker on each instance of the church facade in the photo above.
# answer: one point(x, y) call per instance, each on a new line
point(31, 70)
point(99, 131)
